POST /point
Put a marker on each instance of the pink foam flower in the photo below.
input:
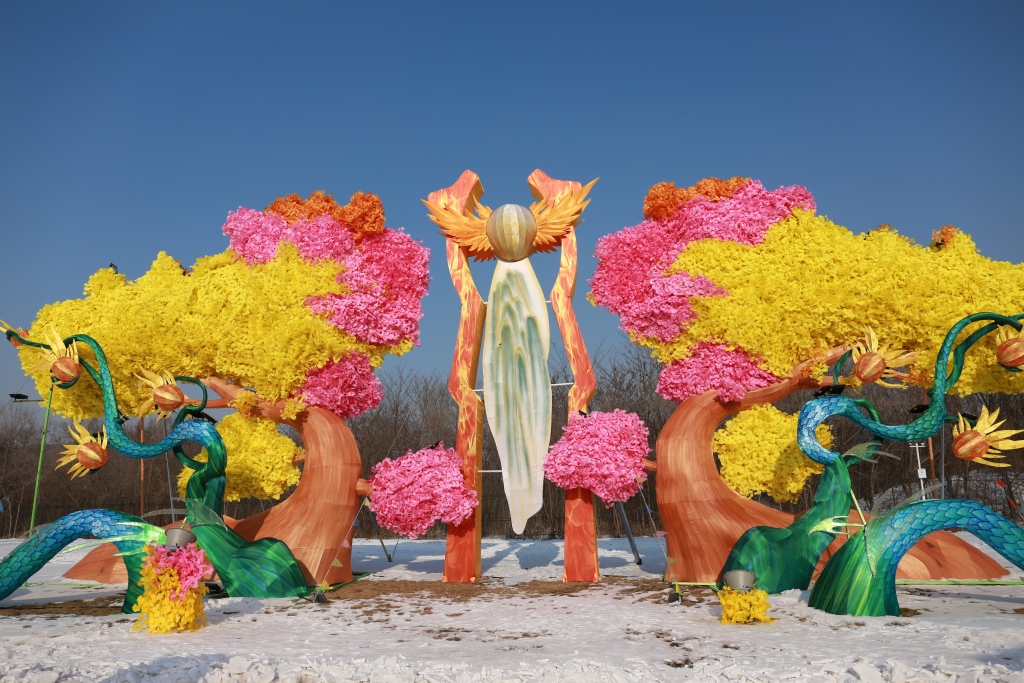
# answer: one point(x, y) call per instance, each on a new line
point(388, 274)
point(731, 372)
point(320, 239)
point(601, 452)
point(347, 387)
point(254, 234)
point(745, 217)
point(412, 492)
point(189, 562)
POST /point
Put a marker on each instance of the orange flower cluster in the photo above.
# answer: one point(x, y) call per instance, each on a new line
point(664, 199)
point(364, 213)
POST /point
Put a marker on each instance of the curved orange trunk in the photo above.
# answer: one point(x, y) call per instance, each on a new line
point(703, 517)
point(315, 522)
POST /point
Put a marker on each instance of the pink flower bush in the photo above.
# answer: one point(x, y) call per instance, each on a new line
point(713, 366)
point(347, 387)
point(602, 452)
point(412, 492)
point(189, 562)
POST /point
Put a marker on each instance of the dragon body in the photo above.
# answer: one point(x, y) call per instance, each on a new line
point(263, 568)
point(785, 558)
point(860, 578)
point(128, 533)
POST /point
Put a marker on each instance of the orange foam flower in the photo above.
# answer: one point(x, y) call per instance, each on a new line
point(664, 199)
point(364, 213)
point(943, 235)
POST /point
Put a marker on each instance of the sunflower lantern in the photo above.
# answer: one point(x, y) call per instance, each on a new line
point(4, 328)
point(983, 441)
point(88, 453)
point(1010, 350)
point(164, 394)
point(62, 359)
point(872, 363)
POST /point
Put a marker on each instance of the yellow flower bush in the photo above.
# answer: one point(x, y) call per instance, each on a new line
point(758, 452)
point(260, 459)
point(812, 285)
point(159, 611)
point(740, 607)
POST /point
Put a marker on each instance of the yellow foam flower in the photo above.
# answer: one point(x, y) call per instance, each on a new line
point(247, 324)
point(758, 452)
point(161, 613)
point(739, 607)
point(260, 459)
point(293, 407)
point(812, 285)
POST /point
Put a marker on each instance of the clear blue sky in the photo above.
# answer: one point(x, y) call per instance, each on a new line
point(130, 128)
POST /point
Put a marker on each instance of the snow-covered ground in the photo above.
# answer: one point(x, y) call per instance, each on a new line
point(517, 627)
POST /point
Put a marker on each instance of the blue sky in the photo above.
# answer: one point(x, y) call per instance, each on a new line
point(130, 128)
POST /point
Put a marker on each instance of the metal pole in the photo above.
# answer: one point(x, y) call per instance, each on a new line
point(942, 463)
point(920, 470)
point(931, 459)
point(170, 488)
point(629, 532)
point(39, 467)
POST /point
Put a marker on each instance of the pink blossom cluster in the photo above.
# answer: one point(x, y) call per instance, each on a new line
point(387, 274)
point(731, 372)
point(412, 492)
point(601, 452)
point(630, 278)
point(188, 561)
point(346, 387)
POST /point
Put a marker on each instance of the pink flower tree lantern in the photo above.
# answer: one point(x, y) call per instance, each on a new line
point(601, 452)
point(412, 492)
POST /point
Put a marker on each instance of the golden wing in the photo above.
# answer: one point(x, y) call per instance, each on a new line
point(469, 231)
point(554, 221)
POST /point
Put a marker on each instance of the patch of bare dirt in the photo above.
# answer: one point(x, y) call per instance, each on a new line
point(456, 592)
point(98, 607)
point(373, 590)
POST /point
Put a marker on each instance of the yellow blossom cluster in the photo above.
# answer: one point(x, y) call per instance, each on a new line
point(739, 607)
point(812, 285)
point(245, 323)
point(759, 454)
point(260, 459)
point(161, 613)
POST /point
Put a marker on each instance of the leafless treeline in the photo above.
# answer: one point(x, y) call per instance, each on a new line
point(418, 412)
